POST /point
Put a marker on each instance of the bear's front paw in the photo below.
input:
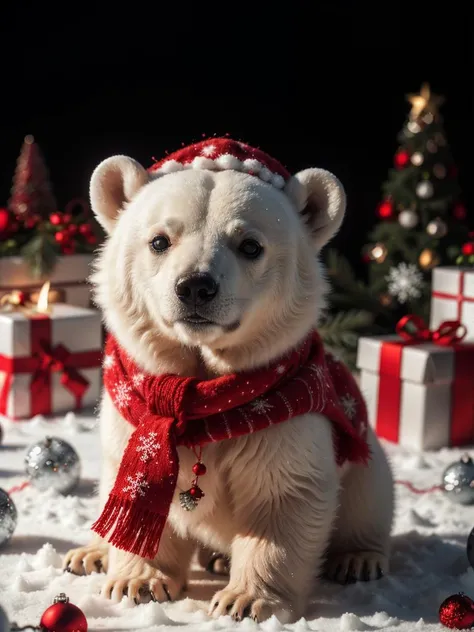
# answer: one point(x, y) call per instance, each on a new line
point(142, 583)
point(85, 560)
point(242, 603)
point(365, 566)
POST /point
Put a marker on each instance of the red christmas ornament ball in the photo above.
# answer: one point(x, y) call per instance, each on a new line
point(4, 220)
point(401, 159)
point(63, 616)
point(385, 209)
point(457, 612)
point(56, 219)
point(459, 211)
point(468, 249)
point(199, 469)
point(60, 236)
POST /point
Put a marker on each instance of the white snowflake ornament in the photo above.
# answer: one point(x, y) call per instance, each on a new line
point(404, 282)
point(136, 485)
point(261, 406)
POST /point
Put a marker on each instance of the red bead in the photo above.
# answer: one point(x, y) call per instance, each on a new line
point(385, 209)
point(85, 229)
point(468, 249)
point(401, 159)
point(63, 617)
point(459, 211)
point(60, 236)
point(55, 219)
point(199, 469)
point(457, 612)
point(196, 492)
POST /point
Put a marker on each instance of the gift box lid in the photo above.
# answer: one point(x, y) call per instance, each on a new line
point(454, 281)
point(424, 363)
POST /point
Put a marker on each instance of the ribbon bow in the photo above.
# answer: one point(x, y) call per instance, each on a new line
point(414, 329)
point(56, 359)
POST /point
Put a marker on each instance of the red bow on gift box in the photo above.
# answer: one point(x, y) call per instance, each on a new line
point(413, 328)
point(58, 359)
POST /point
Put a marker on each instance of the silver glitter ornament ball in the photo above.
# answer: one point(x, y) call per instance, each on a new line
point(53, 464)
point(8, 519)
point(424, 189)
point(458, 481)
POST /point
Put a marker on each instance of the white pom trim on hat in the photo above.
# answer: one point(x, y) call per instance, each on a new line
point(223, 163)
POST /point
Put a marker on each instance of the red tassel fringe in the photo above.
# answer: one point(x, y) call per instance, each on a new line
point(130, 527)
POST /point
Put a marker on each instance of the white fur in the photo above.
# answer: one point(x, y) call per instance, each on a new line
point(275, 502)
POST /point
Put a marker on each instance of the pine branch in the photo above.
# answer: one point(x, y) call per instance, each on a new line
point(340, 333)
point(40, 253)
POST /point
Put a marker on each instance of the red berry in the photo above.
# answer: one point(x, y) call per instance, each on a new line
point(68, 249)
point(55, 219)
point(67, 218)
point(60, 236)
point(30, 222)
point(385, 209)
point(85, 229)
point(91, 239)
point(468, 249)
point(199, 469)
point(72, 229)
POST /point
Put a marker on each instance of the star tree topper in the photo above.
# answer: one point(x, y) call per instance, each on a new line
point(426, 101)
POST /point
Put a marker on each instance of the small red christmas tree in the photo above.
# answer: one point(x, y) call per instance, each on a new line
point(32, 196)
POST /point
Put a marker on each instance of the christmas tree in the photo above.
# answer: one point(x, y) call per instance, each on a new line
point(420, 225)
point(33, 228)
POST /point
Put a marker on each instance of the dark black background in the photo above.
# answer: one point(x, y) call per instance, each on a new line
point(313, 83)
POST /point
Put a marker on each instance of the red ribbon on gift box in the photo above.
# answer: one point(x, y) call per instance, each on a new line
point(413, 330)
point(44, 360)
point(459, 297)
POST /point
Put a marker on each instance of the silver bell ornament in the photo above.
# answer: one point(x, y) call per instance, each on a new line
point(8, 518)
point(53, 464)
point(424, 189)
point(458, 481)
point(408, 218)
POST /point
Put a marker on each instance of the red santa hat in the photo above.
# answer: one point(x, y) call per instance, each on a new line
point(220, 154)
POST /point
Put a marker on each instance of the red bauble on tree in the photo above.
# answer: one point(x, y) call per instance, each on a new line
point(385, 209)
point(468, 248)
point(63, 616)
point(5, 221)
point(401, 159)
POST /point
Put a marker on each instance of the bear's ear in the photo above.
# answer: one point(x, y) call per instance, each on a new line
point(321, 201)
point(114, 182)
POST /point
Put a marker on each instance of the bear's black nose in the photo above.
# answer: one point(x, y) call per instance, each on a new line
point(196, 289)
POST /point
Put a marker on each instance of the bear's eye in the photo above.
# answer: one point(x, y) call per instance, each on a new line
point(160, 243)
point(250, 248)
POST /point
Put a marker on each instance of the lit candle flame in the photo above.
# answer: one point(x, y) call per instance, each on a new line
point(42, 305)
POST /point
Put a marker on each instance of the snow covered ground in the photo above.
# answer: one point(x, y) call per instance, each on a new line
point(428, 563)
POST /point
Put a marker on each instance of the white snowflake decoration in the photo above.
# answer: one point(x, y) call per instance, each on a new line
point(121, 394)
point(208, 150)
point(149, 447)
point(349, 405)
point(404, 282)
point(108, 361)
point(261, 406)
point(136, 485)
point(137, 379)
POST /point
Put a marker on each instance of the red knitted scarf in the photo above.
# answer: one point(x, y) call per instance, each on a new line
point(169, 411)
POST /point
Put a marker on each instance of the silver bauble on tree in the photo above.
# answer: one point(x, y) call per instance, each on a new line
point(53, 464)
point(437, 228)
point(408, 218)
point(458, 481)
point(8, 518)
point(424, 189)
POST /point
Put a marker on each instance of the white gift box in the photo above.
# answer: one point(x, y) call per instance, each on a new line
point(418, 395)
point(69, 275)
point(49, 363)
point(452, 297)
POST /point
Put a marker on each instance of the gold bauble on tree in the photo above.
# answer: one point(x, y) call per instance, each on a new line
point(428, 259)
